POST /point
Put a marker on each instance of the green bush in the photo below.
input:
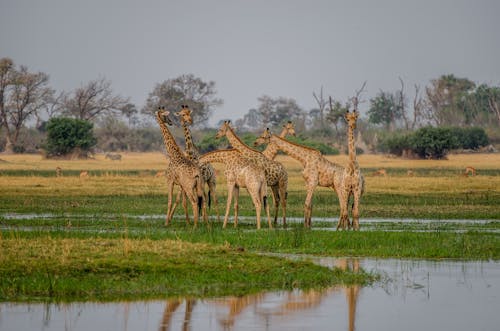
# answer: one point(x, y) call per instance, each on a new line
point(66, 135)
point(470, 138)
point(433, 143)
point(394, 144)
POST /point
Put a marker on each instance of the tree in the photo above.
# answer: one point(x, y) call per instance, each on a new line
point(482, 104)
point(385, 109)
point(22, 95)
point(322, 103)
point(275, 111)
point(69, 136)
point(446, 97)
point(94, 99)
point(185, 89)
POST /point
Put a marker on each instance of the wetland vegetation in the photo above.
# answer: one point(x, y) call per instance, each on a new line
point(103, 237)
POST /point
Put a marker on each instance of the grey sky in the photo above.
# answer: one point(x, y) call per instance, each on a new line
point(256, 47)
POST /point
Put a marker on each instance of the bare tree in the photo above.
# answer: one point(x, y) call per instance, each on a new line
point(322, 104)
point(22, 95)
point(92, 100)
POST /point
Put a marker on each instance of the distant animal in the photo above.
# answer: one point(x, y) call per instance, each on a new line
point(469, 170)
point(160, 174)
point(410, 173)
point(58, 172)
point(84, 174)
point(113, 156)
point(380, 172)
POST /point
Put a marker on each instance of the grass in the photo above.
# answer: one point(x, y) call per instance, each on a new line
point(48, 267)
point(103, 238)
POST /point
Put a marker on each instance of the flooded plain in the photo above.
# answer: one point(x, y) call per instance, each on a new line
point(412, 295)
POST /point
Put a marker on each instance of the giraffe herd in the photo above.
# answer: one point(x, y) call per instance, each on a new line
point(245, 167)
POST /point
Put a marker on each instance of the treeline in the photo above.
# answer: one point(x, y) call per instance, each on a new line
point(394, 122)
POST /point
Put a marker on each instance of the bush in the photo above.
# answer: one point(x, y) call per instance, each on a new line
point(433, 143)
point(394, 144)
point(68, 135)
point(470, 138)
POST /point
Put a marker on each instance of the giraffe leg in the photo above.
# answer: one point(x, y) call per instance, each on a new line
point(170, 190)
point(344, 216)
point(193, 198)
point(276, 200)
point(355, 209)
point(230, 187)
point(284, 196)
point(236, 195)
point(211, 192)
point(256, 195)
point(184, 205)
point(308, 207)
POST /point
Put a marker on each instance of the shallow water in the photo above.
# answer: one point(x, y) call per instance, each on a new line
point(413, 295)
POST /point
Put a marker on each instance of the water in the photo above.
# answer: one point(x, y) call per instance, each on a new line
point(413, 295)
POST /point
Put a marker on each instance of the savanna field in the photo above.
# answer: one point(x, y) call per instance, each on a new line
point(102, 236)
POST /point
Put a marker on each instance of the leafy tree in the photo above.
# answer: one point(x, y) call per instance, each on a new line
point(94, 99)
point(446, 97)
point(22, 95)
point(69, 135)
point(385, 109)
point(482, 104)
point(199, 95)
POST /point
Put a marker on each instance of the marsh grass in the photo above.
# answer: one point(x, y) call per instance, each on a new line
point(105, 239)
point(53, 268)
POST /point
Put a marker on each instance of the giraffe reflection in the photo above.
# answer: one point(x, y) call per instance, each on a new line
point(171, 307)
point(265, 305)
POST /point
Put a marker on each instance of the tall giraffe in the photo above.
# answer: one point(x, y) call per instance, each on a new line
point(207, 171)
point(183, 171)
point(240, 172)
point(318, 171)
point(271, 150)
point(276, 175)
point(354, 183)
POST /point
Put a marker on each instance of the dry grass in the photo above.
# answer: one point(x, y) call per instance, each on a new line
point(148, 184)
point(158, 161)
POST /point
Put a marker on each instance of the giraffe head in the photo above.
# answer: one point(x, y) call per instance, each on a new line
point(289, 128)
point(351, 118)
point(163, 115)
point(185, 115)
point(223, 129)
point(264, 138)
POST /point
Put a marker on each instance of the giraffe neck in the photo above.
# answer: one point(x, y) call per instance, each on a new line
point(296, 151)
point(353, 162)
point(271, 149)
point(173, 149)
point(191, 150)
point(246, 151)
point(219, 156)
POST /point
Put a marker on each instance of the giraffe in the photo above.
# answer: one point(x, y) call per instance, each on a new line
point(271, 150)
point(353, 181)
point(276, 175)
point(240, 172)
point(318, 171)
point(207, 171)
point(181, 170)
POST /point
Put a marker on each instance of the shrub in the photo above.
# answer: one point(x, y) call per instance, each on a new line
point(470, 138)
point(67, 135)
point(433, 143)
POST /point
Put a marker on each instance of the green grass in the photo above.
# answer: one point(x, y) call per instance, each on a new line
point(103, 238)
point(471, 205)
point(46, 267)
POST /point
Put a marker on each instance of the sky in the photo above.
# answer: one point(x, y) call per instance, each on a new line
point(285, 48)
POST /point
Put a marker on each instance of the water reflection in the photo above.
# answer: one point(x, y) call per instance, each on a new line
point(466, 291)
